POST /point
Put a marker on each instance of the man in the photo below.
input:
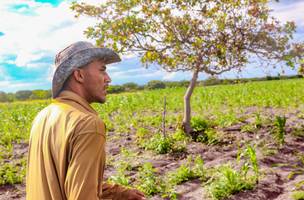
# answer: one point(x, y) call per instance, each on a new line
point(67, 144)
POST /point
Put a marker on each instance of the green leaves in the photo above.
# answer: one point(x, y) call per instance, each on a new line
point(181, 35)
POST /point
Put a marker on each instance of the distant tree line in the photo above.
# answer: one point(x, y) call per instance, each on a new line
point(23, 95)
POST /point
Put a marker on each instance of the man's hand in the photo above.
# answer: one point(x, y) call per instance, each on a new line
point(134, 194)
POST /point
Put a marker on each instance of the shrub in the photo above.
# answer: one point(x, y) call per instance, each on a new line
point(130, 86)
point(155, 84)
point(115, 89)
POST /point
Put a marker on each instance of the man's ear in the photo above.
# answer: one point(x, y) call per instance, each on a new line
point(78, 75)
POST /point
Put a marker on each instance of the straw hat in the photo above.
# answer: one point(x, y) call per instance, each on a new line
point(75, 56)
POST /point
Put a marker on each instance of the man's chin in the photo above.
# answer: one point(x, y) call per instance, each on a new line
point(101, 100)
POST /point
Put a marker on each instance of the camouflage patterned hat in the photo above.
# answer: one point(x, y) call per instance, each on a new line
point(75, 56)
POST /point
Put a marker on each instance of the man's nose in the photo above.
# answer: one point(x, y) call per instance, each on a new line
point(108, 79)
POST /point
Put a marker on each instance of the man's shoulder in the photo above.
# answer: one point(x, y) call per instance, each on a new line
point(61, 111)
point(60, 114)
point(84, 122)
point(91, 124)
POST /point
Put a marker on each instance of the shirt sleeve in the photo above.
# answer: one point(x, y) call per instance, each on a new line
point(86, 166)
point(114, 192)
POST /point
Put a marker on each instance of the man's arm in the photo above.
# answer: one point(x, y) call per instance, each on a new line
point(85, 171)
point(117, 192)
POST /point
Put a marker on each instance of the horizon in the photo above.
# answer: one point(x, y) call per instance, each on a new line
point(28, 48)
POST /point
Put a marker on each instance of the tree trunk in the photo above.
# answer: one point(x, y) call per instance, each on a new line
point(187, 107)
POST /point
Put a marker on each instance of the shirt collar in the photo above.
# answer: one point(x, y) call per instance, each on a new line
point(67, 95)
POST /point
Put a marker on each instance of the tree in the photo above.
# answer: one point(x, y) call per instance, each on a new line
point(115, 89)
point(155, 84)
point(209, 36)
point(3, 97)
point(301, 69)
point(23, 94)
point(40, 94)
point(130, 86)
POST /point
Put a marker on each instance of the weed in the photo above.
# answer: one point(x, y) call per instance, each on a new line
point(298, 131)
point(279, 129)
point(141, 132)
point(258, 121)
point(298, 195)
point(160, 144)
point(199, 124)
point(229, 182)
point(190, 170)
point(250, 128)
point(299, 184)
point(180, 135)
point(210, 137)
point(163, 145)
point(120, 177)
point(147, 180)
point(12, 173)
point(249, 161)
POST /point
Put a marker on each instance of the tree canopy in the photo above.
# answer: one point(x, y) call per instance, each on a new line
point(210, 36)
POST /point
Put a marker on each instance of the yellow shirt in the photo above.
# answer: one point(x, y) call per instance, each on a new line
point(66, 157)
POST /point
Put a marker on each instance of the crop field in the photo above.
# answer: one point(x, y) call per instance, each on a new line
point(249, 142)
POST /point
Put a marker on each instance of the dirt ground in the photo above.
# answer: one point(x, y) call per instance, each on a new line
point(277, 165)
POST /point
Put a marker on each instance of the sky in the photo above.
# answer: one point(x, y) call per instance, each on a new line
point(33, 31)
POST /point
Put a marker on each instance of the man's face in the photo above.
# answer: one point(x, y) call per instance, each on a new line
point(96, 81)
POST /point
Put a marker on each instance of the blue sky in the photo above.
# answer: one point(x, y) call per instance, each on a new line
point(32, 31)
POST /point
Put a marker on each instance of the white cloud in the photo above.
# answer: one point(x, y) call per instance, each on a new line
point(170, 76)
point(289, 12)
point(48, 29)
point(13, 86)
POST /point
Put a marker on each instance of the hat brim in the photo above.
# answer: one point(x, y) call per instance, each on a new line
point(80, 59)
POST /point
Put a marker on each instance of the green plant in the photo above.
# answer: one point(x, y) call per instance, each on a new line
point(160, 144)
point(12, 173)
point(190, 170)
point(249, 161)
point(199, 124)
point(198, 168)
point(180, 135)
point(248, 128)
point(120, 177)
point(148, 181)
point(229, 182)
point(298, 195)
point(210, 137)
point(279, 129)
point(258, 121)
